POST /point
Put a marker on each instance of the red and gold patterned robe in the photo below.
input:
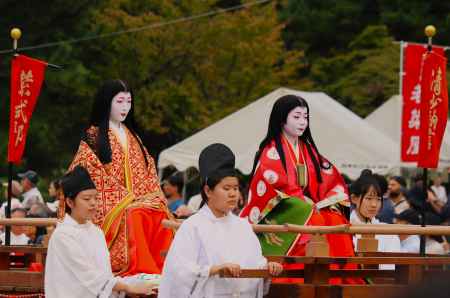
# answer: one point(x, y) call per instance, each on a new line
point(270, 176)
point(130, 205)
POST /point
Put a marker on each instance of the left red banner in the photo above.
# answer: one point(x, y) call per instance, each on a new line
point(27, 75)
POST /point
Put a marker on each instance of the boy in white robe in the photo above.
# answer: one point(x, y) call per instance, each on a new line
point(77, 263)
point(214, 239)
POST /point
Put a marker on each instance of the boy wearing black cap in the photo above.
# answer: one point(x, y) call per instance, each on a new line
point(77, 263)
point(214, 239)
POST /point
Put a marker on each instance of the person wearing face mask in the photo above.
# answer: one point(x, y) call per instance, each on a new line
point(130, 203)
point(215, 240)
point(289, 162)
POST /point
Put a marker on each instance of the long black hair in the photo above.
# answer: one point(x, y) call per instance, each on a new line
point(100, 114)
point(277, 120)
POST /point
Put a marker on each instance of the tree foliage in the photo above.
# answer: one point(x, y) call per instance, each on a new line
point(187, 75)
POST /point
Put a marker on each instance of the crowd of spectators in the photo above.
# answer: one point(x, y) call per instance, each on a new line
point(400, 203)
point(27, 202)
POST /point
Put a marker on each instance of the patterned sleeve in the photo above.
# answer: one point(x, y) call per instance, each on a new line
point(333, 185)
point(107, 185)
point(260, 192)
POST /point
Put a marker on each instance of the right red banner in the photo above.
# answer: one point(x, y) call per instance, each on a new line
point(411, 93)
point(433, 108)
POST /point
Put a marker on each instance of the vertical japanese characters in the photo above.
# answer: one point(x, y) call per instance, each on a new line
point(412, 95)
point(27, 75)
point(433, 108)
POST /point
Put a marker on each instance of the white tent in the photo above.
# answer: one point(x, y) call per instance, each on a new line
point(341, 136)
point(388, 119)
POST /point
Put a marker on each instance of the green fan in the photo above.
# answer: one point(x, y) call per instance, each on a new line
point(278, 211)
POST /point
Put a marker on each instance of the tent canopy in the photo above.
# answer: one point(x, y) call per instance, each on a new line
point(341, 136)
point(388, 120)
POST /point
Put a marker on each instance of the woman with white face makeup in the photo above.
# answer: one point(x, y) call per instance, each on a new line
point(130, 203)
point(289, 162)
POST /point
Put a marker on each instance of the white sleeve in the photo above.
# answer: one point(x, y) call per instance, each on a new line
point(261, 260)
point(412, 244)
point(194, 203)
point(98, 281)
point(182, 275)
point(264, 285)
point(390, 243)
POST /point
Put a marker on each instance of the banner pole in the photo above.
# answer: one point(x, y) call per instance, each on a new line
point(430, 31)
point(400, 77)
point(8, 206)
point(423, 219)
point(15, 35)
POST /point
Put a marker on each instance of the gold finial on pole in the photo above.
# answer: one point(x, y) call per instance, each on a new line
point(15, 35)
point(430, 31)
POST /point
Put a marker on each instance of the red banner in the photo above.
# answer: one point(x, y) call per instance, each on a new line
point(411, 92)
point(433, 108)
point(27, 75)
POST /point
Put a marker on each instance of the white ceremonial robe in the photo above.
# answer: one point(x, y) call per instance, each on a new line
point(386, 243)
point(77, 263)
point(202, 241)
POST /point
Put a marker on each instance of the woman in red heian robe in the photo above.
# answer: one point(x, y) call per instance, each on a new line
point(130, 205)
point(288, 161)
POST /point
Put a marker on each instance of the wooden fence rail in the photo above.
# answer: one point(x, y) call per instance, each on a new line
point(386, 229)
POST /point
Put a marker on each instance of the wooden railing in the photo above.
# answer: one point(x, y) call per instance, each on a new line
point(387, 229)
point(410, 269)
point(18, 279)
point(42, 222)
point(316, 273)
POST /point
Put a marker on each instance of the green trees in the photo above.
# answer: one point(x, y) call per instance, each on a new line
point(349, 46)
point(185, 75)
point(188, 74)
